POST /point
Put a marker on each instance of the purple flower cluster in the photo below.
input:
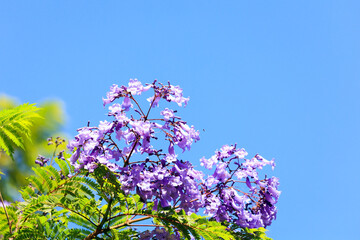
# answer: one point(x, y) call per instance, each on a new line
point(166, 184)
point(224, 195)
point(158, 233)
point(126, 146)
point(95, 145)
point(41, 160)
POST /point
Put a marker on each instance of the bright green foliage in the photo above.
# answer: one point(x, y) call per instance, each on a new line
point(250, 234)
point(15, 125)
point(16, 170)
point(193, 224)
point(64, 204)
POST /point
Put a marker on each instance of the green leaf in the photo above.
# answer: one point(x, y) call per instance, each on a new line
point(15, 125)
point(63, 166)
point(43, 175)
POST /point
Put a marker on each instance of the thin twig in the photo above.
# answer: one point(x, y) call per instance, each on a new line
point(145, 225)
point(132, 98)
point(53, 156)
point(152, 102)
point(132, 150)
point(6, 213)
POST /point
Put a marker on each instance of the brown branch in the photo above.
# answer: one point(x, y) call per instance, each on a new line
point(145, 225)
point(152, 102)
point(6, 213)
point(132, 98)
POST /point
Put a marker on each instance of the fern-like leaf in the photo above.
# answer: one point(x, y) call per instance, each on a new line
point(15, 126)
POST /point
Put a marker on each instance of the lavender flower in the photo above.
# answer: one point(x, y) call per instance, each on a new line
point(41, 160)
point(234, 192)
point(158, 233)
point(167, 113)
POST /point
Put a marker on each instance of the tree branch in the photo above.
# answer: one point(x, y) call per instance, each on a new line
point(6, 213)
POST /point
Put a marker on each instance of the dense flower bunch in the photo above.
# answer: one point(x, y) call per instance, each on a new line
point(224, 199)
point(157, 233)
point(233, 193)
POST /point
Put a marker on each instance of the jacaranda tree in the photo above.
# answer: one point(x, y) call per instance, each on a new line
point(124, 179)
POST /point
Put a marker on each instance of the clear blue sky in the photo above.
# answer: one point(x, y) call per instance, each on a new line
point(280, 78)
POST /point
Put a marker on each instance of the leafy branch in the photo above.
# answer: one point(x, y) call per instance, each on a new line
point(15, 124)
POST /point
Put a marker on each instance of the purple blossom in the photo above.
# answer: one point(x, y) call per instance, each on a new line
point(208, 163)
point(115, 109)
point(128, 136)
point(169, 158)
point(41, 160)
point(226, 151)
point(114, 93)
point(144, 129)
point(154, 103)
point(240, 153)
point(167, 113)
point(158, 233)
point(212, 205)
point(185, 136)
point(234, 192)
point(122, 119)
point(75, 156)
point(105, 127)
point(221, 173)
point(136, 87)
point(210, 181)
point(240, 174)
point(257, 207)
point(126, 105)
point(177, 96)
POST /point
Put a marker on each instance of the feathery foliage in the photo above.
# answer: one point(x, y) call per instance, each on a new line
point(16, 172)
point(15, 125)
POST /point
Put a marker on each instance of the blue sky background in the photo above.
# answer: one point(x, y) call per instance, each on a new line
point(280, 78)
